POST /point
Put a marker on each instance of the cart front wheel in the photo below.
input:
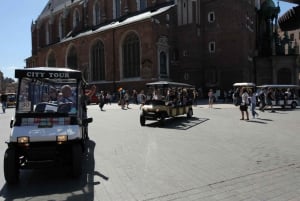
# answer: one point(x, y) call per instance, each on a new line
point(11, 168)
point(76, 160)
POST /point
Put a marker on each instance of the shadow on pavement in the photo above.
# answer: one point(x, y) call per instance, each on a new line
point(179, 123)
point(57, 183)
point(256, 121)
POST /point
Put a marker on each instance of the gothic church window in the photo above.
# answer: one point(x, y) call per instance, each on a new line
point(97, 62)
point(96, 13)
point(117, 8)
point(131, 56)
point(72, 58)
point(142, 4)
point(163, 65)
point(76, 19)
point(48, 33)
point(61, 27)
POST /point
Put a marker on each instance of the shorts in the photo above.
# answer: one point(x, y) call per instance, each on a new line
point(243, 108)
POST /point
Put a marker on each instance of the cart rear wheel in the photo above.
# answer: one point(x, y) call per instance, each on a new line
point(162, 119)
point(189, 113)
point(11, 169)
point(142, 120)
point(293, 105)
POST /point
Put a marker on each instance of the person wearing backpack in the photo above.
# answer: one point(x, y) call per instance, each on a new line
point(244, 103)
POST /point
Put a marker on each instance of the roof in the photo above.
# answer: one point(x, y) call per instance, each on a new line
point(165, 84)
point(244, 84)
point(282, 86)
point(292, 1)
point(56, 5)
point(48, 72)
point(137, 18)
point(290, 20)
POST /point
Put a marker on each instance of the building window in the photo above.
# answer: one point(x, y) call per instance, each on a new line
point(163, 64)
point(61, 27)
point(131, 56)
point(212, 47)
point(211, 17)
point(51, 61)
point(142, 4)
point(292, 36)
point(117, 8)
point(76, 19)
point(48, 33)
point(96, 14)
point(98, 62)
point(72, 58)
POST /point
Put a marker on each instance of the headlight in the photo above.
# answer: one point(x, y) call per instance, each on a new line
point(61, 138)
point(23, 140)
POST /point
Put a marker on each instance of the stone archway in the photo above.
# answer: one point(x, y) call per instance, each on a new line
point(284, 76)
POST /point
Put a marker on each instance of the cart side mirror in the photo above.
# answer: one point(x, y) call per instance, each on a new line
point(87, 121)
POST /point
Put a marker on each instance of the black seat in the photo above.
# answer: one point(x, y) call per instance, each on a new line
point(64, 108)
point(40, 107)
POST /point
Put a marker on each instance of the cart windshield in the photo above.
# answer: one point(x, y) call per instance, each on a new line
point(42, 92)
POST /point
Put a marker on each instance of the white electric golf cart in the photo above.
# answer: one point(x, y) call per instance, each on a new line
point(167, 99)
point(285, 95)
point(46, 130)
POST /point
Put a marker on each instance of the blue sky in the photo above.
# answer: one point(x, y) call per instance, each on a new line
point(15, 34)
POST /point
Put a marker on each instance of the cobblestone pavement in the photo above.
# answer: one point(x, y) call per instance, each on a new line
point(212, 157)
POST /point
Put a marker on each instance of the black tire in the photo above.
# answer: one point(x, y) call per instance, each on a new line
point(162, 119)
point(11, 167)
point(76, 160)
point(189, 113)
point(142, 120)
point(293, 105)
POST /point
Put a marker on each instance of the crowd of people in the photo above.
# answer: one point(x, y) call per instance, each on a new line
point(243, 97)
point(125, 97)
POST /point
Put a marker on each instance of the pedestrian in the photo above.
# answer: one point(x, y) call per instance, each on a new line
point(269, 97)
point(135, 96)
point(126, 98)
point(142, 98)
point(84, 98)
point(253, 98)
point(4, 101)
point(195, 97)
point(101, 98)
point(244, 103)
point(122, 98)
point(210, 98)
point(262, 98)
